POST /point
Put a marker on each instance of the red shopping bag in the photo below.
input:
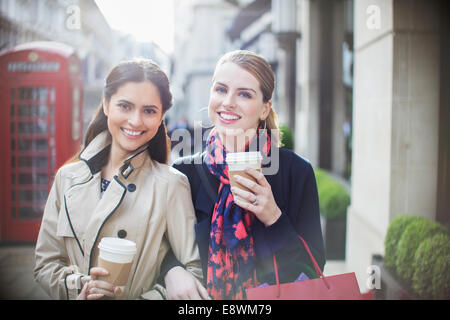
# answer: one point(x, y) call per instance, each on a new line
point(337, 287)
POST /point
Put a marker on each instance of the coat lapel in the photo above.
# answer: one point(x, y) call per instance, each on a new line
point(207, 192)
point(79, 200)
point(105, 207)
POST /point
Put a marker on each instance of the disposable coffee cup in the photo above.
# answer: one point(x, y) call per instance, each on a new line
point(116, 256)
point(237, 163)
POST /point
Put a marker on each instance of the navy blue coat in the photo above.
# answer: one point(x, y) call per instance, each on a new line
point(295, 192)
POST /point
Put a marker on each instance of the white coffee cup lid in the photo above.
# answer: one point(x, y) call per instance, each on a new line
point(234, 157)
point(117, 245)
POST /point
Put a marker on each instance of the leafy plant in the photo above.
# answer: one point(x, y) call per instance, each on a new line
point(333, 197)
point(426, 268)
point(393, 235)
point(287, 137)
point(415, 233)
point(441, 278)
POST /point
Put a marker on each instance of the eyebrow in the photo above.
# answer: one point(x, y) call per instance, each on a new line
point(223, 84)
point(125, 101)
point(129, 102)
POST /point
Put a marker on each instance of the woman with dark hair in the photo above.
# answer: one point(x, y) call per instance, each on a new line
point(119, 185)
point(239, 229)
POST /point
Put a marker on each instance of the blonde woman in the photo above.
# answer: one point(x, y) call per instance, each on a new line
point(238, 231)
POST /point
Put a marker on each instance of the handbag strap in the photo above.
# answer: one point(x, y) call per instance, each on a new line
point(319, 272)
point(316, 266)
point(275, 266)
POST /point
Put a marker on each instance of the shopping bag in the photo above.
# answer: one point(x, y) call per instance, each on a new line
point(337, 287)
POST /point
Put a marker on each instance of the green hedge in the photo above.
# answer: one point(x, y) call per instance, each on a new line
point(441, 278)
point(418, 250)
point(431, 279)
point(393, 235)
point(333, 197)
point(415, 233)
point(287, 137)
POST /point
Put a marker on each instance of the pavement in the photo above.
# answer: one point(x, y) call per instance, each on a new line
point(16, 273)
point(17, 281)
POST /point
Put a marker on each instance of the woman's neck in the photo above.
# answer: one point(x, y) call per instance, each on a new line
point(236, 143)
point(115, 161)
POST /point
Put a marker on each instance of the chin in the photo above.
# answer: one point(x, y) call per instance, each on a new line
point(130, 147)
point(234, 132)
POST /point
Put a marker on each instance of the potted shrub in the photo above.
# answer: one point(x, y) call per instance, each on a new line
point(441, 278)
point(333, 201)
point(412, 237)
point(393, 235)
point(287, 137)
point(431, 279)
point(417, 253)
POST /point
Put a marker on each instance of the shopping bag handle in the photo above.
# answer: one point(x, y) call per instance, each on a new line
point(316, 267)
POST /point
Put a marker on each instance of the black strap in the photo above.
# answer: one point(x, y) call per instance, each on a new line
point(203, 177)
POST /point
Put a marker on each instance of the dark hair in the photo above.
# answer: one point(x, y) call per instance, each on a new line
point(136, 70)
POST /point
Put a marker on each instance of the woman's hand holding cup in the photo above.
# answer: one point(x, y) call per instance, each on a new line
point(260, 200)
point(96, 289)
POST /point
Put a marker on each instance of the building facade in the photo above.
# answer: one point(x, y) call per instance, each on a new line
point(200, 39)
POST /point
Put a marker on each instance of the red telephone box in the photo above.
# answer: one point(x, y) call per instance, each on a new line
point(40, 128)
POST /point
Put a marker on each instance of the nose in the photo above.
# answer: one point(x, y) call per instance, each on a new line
point(229, 101)
point(135, 118)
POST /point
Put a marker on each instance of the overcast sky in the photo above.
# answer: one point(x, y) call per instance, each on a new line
point(146, 20)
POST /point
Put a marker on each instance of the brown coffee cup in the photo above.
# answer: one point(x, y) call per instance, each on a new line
point(237, 163)
point(116, 256)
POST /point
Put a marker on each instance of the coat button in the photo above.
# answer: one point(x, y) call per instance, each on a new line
point(122, 233)
point(131, 187)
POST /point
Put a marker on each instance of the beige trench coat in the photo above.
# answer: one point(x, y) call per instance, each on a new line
point(147, 202)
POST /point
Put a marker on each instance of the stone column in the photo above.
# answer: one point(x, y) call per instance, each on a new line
point(338, 155)
point(320, 93)
point(308, 112)
point(395, 118)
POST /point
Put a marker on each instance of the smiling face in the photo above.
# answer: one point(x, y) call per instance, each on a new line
point(236, 102)
point(134, 115)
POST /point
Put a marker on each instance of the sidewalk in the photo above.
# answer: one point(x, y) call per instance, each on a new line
point(16, 273)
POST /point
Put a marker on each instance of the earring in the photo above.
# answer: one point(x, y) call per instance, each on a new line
point(264, 125)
